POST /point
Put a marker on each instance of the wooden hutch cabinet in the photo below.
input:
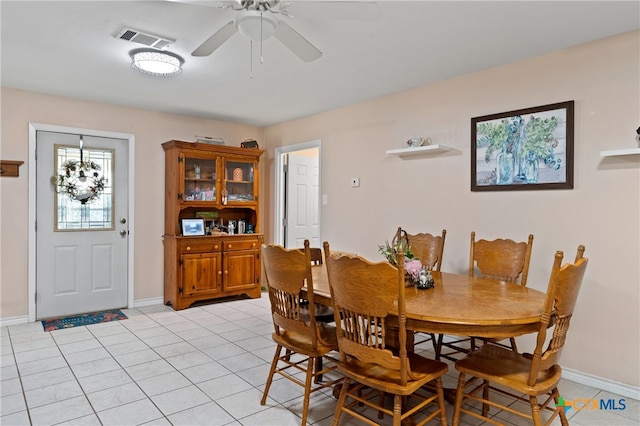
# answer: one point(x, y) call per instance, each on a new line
point(219, 184)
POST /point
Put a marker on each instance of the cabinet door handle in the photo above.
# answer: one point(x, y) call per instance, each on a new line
point(226, 272)
point(188, 248)
point(229, 246)
point(253, 244)
point(215, 247)
point(219, 272)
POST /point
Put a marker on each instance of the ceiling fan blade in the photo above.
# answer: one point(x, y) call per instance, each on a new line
point(351, 10)
point(216, 40)
point(296, 43)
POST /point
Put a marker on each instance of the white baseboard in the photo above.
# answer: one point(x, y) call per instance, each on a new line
point(5, 322)
point(148, 302)
point(601, 383)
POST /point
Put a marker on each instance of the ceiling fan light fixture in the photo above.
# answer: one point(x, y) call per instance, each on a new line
point(156, 62)
point(255, 25)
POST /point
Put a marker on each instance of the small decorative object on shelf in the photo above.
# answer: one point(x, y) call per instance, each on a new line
point(249, 143)
point(416, 141)
point(237, 174)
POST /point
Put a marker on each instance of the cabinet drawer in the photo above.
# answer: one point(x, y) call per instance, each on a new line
point(232, 245)
point(200, 247)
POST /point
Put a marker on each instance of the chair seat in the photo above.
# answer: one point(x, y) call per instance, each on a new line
point(302, 343)
point(388, 380)
point(505, 367)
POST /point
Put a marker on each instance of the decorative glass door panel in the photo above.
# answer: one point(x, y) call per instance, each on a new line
point(84, 201)
point(200, 179)
point(239, 183)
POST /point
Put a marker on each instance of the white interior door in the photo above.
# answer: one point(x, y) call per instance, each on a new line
point(81, 249)
point(302, 201)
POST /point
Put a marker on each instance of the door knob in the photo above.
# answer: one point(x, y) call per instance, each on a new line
point(123, 233)
point(123, 221)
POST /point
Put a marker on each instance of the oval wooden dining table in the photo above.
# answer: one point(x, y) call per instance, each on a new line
point(462, 305)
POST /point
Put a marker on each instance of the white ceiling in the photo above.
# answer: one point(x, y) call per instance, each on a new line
point(68, 48)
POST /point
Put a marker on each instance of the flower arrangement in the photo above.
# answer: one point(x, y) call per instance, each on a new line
point(412, 264)
point(412, 268)
point(81, 181)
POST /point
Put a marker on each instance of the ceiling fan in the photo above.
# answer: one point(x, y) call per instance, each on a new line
point(260, 19)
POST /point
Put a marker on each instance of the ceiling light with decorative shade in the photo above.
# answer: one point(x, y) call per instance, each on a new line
point(156, 62)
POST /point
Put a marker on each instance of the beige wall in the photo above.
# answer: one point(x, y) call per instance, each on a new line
point(150, 129)
point(425, 194)
point(428, 194)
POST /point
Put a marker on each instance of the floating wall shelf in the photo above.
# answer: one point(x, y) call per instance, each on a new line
point(418, 151)
point(618, 152)
point(10, 168)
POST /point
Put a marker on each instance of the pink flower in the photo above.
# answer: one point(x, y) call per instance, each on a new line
point(412, 267)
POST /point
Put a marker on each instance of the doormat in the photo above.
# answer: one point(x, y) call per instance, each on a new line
point(84, 319)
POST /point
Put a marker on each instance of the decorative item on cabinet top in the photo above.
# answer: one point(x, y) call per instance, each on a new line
point(250, 143)
point(210, 140)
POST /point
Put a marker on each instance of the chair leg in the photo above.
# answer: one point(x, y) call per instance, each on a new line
point(456, 410)
point(434, 343)
point(307, 389)
point(439, 346)
point(485, 397)
point(514, 347)
point(535, 410)
point(443, 410)
point(561, 413)
point(397, 410)
point(341, 400)
point(318, 377)
point(272, 371)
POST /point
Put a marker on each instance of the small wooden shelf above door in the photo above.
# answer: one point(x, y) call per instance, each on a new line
point(9, 168)
point(619, 152)
point(418, 151)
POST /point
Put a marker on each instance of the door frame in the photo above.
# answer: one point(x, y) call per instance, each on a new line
point(33, 128)
point(279, 186)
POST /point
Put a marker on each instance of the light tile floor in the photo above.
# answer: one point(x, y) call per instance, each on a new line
point(205, 365)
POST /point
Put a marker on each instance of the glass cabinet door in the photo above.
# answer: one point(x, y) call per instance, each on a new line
point(238, 181)
point(200, 179)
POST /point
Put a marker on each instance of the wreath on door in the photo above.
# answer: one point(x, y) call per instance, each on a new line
point(81, 181)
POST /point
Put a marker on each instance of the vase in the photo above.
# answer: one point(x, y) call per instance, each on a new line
point(504, 172)
point(531, 170)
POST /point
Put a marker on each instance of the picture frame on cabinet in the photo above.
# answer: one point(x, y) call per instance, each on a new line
point(192, 227)
point(525, 149)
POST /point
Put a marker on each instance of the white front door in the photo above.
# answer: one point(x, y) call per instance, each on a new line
point(81, 249)
point(302, 201)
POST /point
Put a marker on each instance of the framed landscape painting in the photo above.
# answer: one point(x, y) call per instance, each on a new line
point(525, 149)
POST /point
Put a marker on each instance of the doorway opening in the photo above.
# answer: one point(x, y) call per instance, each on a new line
point(297, 189)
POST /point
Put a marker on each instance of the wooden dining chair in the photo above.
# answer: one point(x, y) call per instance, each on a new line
point(323, 313)
point(532, 375)
point(500, 259)
point(429, 249)
point(299, 338)
point(363, 295)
